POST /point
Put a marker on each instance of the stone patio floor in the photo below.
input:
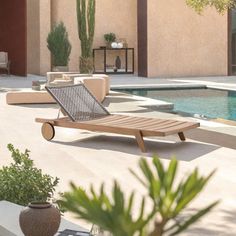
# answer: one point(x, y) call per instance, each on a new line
point(85, 158)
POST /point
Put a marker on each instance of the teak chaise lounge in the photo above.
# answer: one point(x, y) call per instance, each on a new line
point(83, 111)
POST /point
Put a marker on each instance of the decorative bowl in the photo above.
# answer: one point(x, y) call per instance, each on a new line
point(114, 45)
point(119, 45)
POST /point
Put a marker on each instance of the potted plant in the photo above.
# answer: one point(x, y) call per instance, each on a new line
point(113, 213)
point(26, 185)
point(86, 24)
point(109, 38)
point(40, 218)
point(59, 46)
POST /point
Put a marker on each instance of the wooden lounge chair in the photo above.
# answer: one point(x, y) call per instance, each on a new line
point(83, 111)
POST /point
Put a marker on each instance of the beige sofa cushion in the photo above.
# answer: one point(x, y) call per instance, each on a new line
point(97, 86)
point(28, 97)
point(73, 76)
point(107, 81)
point(61, 82)
point(96, 76)
point(51, 76)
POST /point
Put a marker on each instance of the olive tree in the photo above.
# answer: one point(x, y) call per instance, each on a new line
point(220, 5)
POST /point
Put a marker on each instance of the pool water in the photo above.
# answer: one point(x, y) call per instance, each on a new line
point(208, 103)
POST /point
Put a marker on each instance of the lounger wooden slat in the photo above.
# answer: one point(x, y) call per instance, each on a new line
point(183, 127)
point(134, 126)
point(127, 120)
point(174, 126)
point(139, 119)
point(90, 115)
point(168, 126)
point(124, 121)
point(142, 122)
point(107, 119)
point(112, 120)
point(155, 125)
point(130, 123)
point(158, 126)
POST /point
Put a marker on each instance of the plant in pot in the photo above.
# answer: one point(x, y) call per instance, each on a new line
point(26, 185)
point(86, 24)
point(109, 38)
point(113, 213)
point(59, 46)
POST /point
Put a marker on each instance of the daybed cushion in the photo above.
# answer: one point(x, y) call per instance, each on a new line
point(97, 86)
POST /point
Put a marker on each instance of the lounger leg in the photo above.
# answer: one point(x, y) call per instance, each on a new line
point(140, 141)
point(181, 136)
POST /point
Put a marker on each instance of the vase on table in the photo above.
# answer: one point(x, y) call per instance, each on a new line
point(40, 219)
point(118, 62)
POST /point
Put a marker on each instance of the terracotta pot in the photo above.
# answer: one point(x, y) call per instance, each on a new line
point(40, 219)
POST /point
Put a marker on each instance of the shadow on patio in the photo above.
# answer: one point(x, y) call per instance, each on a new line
point(185, 151)
point(216, 138)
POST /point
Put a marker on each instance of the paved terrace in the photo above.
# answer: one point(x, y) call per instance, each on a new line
point(86, 158)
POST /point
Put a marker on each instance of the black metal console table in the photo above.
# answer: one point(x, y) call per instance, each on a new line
point(110, 54)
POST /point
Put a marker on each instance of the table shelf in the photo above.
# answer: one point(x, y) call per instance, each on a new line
point(109, 55)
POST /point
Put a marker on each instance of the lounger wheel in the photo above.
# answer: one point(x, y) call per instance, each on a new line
point(48, 131)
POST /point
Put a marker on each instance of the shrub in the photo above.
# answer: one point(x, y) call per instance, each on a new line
point(59, 45)
point(21, 182)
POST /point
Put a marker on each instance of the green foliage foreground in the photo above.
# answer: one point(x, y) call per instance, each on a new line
point(169, 200)
point(22, 183)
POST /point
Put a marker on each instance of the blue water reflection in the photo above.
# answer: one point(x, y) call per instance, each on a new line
point(207, 102)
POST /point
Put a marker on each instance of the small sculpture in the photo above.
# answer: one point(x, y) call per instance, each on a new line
point(118, 62)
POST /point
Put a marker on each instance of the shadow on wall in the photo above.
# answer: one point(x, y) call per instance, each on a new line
point(185, 151)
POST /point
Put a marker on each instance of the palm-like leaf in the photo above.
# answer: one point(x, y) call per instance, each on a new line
point(112, 214)
point(169, 198)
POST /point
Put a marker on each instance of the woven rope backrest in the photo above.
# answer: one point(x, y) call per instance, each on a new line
point(78, 102)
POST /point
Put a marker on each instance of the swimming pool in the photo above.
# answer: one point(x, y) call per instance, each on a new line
point(210, 103)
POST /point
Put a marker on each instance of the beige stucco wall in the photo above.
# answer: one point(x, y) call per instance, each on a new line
point(33, 51)
point(116, 16)
point(182, 43)
point(39, 25)
point(45, 27)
